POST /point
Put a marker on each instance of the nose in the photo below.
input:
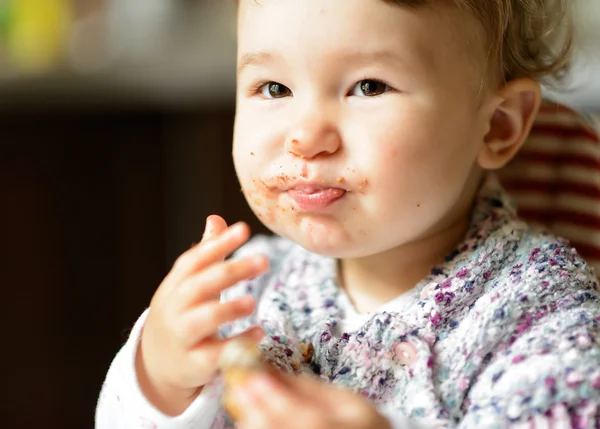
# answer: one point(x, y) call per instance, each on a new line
point(314, 135)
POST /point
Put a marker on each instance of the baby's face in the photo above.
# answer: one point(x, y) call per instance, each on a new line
point(357, 124)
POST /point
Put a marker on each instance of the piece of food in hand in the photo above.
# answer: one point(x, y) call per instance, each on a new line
point(239, 360)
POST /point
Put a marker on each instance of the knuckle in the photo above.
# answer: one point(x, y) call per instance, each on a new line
point(195, 329)
point(182, 260)
point(233, 309)
point(229, 272)
point(218, 275)
point(229, 269)
point(210, 314)
point(183, 329)
point(238, 268)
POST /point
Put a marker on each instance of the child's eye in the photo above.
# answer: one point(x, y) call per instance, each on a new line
point(369, 88)
point(274, 90)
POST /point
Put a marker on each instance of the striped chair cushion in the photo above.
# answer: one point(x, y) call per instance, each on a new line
point(555, 179)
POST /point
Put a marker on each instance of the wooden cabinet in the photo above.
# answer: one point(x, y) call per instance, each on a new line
point(95, 208)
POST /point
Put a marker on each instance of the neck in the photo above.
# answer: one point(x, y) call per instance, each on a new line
point(376, 279)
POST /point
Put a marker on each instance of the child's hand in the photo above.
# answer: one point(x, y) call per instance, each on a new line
point(281, 401)
point(179, 346)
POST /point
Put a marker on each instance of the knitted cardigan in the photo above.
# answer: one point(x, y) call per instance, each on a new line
point(506, 329)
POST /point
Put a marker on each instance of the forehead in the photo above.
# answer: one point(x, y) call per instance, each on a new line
point(433, 35)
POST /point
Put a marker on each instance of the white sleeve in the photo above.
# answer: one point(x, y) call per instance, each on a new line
point(122, 405)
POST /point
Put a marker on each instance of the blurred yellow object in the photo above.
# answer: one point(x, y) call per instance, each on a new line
point(37, 33)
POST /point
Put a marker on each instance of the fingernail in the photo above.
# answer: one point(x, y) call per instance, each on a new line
point(258, 261)
point(207, 227)
point(236, 229)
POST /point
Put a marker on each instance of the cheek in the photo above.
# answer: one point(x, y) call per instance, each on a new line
point(260, 199)
point(390, 153)
point(413, 146)
point(256, 160)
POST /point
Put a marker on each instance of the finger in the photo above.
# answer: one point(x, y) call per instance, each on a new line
point(343, 404)
point(215, 225)
point(251, 415)
point(209, 351)
point(305, 385)
point(311, 400)
point(267, 399)
point(312, 388)
point(208, 284)
point(319, 397)
point(210, 252)
point(204, 321)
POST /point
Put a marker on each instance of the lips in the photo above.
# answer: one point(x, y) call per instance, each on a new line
point(314, 198)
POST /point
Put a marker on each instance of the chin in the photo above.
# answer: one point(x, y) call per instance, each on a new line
point(322, 240)
point(325, 249)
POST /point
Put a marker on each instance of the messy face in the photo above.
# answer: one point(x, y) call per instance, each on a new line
point(357, 125)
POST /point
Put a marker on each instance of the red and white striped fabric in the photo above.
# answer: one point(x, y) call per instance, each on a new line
point(555, 179)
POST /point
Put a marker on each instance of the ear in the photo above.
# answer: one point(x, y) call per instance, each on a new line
point(517, 105)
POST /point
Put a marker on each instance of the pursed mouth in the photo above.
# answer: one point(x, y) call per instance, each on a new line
point(315, 199)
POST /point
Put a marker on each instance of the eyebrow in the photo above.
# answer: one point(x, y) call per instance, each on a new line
point(381, 56)
point(253, 59)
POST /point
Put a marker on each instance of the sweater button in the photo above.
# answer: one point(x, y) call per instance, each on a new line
point(406, 353)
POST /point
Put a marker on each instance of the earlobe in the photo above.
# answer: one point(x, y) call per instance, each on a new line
point(510, 122)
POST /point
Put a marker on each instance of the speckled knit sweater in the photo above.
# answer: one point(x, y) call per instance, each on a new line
point(505, 330)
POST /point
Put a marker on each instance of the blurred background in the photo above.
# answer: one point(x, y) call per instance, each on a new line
point(115, 131)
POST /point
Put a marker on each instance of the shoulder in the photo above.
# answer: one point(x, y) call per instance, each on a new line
point(534, 259)
point(542, 282)
point(541, 334)
point(549, 266)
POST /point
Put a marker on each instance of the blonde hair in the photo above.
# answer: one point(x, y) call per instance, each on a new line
point(526, 38)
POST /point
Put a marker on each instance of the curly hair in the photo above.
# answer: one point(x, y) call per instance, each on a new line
point(526, 38)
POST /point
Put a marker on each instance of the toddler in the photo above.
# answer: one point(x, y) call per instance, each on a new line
point(400, 289)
